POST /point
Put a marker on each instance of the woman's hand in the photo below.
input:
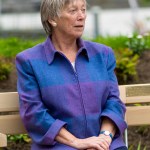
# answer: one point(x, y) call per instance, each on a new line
point(103, 137)
point(92, 143)
point(106, 138)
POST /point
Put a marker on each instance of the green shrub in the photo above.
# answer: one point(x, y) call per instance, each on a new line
point(126, 59)
point(115, 42)
point(5, 69)
point(125, 65)
point(19, 138)
point(9, 47)
point(139, 43)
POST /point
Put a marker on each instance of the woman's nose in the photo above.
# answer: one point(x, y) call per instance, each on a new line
point(81, 15)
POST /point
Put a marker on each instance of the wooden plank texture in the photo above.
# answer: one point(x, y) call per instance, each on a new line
point(9, 101)
point(138, 99)
point(11, 124)
point(3, 140)
point(138, 115)
point(138, 90)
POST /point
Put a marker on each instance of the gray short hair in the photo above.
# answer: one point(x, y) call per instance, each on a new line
point(49, 10)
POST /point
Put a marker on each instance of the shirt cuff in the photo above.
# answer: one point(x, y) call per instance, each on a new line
point(49, 137)
point(119, 122)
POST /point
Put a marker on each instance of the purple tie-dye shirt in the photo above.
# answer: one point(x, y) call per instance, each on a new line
point(52, 94)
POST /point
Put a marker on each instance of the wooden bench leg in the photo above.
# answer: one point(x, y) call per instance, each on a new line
point(3, 140)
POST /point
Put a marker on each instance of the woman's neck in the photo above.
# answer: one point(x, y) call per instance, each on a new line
point(64, 45)
point(67, 46)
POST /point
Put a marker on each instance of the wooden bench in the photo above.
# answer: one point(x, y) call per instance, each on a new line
point(137, 100)
point(10, 122)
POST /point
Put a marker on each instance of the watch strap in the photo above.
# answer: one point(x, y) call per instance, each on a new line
point(107, 133)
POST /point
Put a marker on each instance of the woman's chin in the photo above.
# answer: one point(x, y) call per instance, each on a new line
point(78, 35)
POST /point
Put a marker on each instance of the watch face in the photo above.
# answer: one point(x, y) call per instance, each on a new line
point(107, 132)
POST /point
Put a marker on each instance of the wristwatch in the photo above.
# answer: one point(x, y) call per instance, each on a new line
point(107, 133)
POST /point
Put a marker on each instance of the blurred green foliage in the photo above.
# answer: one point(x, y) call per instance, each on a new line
point(126, 51)
point(138, 43)
point(19, 138)
point(126, 59)
point(5, 69)
point(9, 47)
point(126, 65)
point(144, 3)
point(115, 42)
point(139, 147)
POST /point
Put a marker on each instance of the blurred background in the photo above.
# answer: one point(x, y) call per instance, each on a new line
point(105, 17)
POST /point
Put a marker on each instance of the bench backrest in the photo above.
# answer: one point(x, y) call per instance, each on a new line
point(10, 121)
point(136, 98)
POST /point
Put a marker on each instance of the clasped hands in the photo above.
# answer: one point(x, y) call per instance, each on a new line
point(102, 142)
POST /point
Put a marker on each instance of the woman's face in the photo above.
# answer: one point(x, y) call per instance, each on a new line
point(72, 19)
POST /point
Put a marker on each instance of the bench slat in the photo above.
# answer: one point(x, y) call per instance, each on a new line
point(9, 102)
point(133, 85)
point(138, 99)
point(11, 124)
point(138, 115)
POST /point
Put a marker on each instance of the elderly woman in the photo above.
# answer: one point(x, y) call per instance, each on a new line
point(68, 91)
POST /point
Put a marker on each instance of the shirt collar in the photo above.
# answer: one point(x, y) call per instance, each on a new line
point(50, 50)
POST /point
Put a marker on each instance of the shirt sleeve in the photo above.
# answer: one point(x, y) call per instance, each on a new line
point(114, 108)
point(39, 123)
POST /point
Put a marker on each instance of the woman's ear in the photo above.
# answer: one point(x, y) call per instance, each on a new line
point(52, 22)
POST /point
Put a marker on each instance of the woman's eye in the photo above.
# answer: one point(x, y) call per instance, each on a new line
point(73, 10)
point(83, 10)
